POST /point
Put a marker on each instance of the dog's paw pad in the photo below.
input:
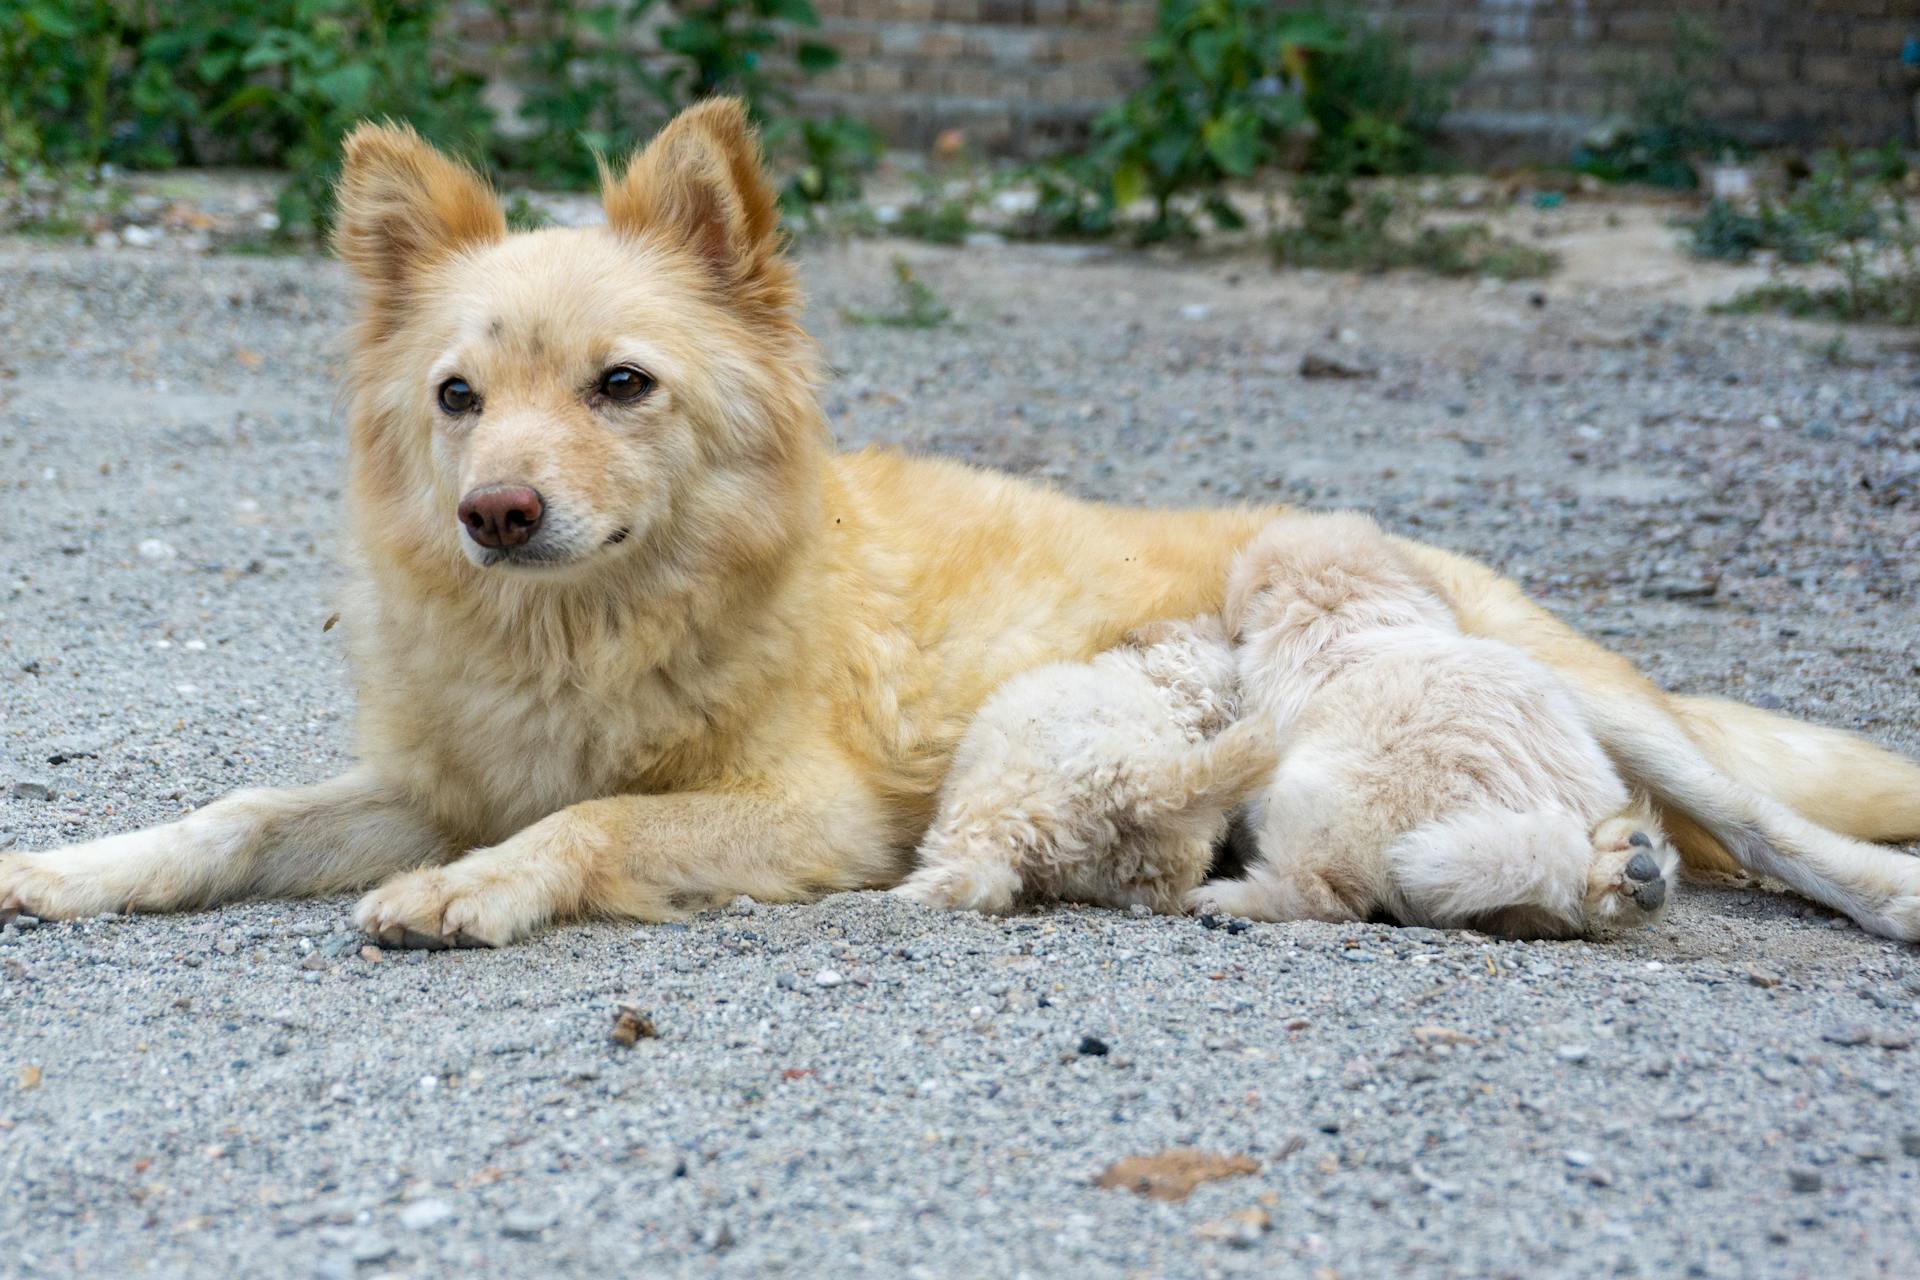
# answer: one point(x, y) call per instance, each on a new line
point(1645, 883)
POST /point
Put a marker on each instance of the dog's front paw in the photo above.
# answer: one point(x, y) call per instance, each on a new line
point(445, 907)
point(114, 874)
point(30, 886)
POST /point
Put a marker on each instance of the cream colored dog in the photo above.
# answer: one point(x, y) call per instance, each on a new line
point(630, 638)
point(1442, 779)
point(1105, 782)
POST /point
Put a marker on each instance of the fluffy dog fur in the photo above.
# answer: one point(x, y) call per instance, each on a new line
point(1105, 782)
point(737, 662)
point(1440, 778)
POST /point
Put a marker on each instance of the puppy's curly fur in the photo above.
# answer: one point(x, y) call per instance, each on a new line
point(1105, 782)
point(1436, 777)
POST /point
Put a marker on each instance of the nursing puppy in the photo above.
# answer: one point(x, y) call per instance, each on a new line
point(629, 637)
point(1105, 782)
point(1442, 779)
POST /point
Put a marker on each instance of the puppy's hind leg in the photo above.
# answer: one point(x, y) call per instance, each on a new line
point(1478, 867)
point(969, 866)
point(1299, 873)
point(1300, 892)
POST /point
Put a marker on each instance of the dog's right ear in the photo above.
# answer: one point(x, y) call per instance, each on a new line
point(403, 207)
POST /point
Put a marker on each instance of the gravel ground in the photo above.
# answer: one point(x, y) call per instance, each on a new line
point(866, 1088)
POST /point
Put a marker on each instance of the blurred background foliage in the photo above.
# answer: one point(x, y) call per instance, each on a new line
point(277, 83)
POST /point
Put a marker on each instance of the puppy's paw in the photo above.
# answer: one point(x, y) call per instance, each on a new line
point(1221, 898)
point(1632, 877)
point(992, 889)
point(443, 907)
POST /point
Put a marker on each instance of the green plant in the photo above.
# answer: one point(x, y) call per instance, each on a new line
point(277, 83)
point(57, 72)
point(586, 93)
point(831, 153)
point(1233, 88)
point(917, 306)
point(1219, 103)
point(1666, 131)
point(936, 215)
point(314, 68)
point(1373, 111)
point(1848, 213)
point(1339, 230)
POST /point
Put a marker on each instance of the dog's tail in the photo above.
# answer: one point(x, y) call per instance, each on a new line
point(1217, 774)
point(1460, 869)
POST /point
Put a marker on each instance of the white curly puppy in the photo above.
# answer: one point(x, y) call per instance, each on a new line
point(1105, 782)
point(1436, 777)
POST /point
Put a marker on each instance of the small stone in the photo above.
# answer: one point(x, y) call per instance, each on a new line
point(828, 978)
point(1803, 1180)
point(424, 1215)
point(30, 790)
point(1762, 977)
point(1577, 1158)
point(316, 962)
point(155, 549)
point(1572, 1053)
point(1868, 1148)
point(1315, 365)
point(368, 1250)
point(788, 982)
point(1850, 1035)
point(1140, 910)
point(1893, 1039)
point(631, 1025)
point(1241, 1230)
point(523, 1224)
point(372, 954)
point(1092, 1047)
point(742, 906)
point(1910, 1143)
point(1681, 588)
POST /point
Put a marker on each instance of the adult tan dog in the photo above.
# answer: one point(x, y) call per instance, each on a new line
point(630, 638)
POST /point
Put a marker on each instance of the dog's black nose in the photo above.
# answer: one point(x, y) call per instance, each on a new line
point(501, 515)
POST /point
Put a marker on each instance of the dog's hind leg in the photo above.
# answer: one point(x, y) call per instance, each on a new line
point(337, 835)
point(1876, 886)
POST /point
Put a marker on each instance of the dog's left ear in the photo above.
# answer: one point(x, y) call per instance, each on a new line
point(701, 185)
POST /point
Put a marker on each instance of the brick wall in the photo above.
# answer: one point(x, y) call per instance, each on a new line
point(1025, 76)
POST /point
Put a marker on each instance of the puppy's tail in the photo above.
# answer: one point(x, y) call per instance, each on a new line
point(1461, 869)
point(1217, 774)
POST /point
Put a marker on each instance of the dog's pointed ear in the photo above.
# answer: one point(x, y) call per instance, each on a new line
point(403, 206)
point(701, 185)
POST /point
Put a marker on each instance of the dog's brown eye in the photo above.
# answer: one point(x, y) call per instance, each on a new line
point(624, 383)
point(456, 396)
